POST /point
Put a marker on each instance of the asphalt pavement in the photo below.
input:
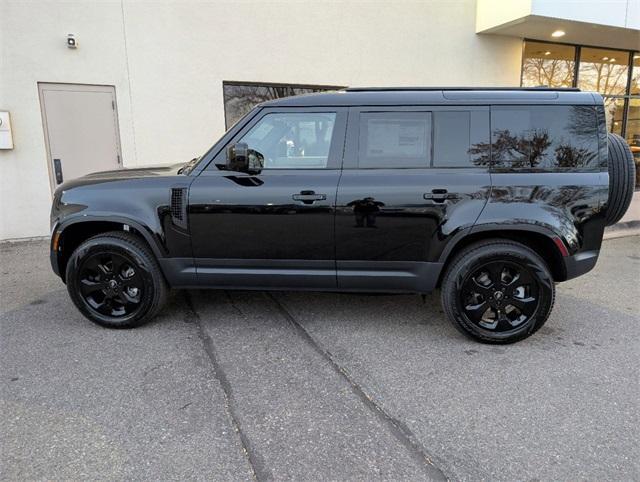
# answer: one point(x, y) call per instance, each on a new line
point(236, 385)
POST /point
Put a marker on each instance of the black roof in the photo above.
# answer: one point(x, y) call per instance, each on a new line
point(381, 96)
point(397, 89)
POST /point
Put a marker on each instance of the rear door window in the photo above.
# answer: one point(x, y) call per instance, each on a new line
point(394, 140)
point(543, 138)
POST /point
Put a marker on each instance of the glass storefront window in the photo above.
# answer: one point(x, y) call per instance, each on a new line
point(635, 77)
point(633, 133)
point(603, 71)
point(549, 65)
point(613, 110)
point(240, 98)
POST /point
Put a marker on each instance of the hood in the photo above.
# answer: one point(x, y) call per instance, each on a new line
point(160, 170)
point(166, 170)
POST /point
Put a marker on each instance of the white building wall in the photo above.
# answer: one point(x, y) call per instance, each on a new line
point(167, 61)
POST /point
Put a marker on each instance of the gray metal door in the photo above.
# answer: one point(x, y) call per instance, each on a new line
point(81, 129)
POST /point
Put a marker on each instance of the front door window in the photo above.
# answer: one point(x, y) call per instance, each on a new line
point(293, 141)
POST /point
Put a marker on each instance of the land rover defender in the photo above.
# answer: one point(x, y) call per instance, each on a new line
point(490, 195)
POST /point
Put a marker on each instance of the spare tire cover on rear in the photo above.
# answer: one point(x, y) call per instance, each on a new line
point(622, 176)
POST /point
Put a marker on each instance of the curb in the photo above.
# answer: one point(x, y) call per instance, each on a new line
point(32, 239)
point(619, 230)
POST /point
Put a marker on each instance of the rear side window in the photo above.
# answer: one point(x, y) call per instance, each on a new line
point(439, 138)
point(394, 139)
point(542, 137)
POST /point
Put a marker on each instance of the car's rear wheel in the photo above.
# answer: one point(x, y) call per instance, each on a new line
point(115, 281)
point(622, 178)
point(498, 291)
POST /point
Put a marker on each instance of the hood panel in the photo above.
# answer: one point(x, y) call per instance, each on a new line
point(120, 175)
point(160, 170)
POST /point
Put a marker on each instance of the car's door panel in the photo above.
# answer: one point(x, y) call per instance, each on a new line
point(273, 228)
point(392, 223)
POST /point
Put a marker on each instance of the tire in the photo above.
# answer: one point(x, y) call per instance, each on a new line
point(472, 303)
point(115, 281)
point(622, 177)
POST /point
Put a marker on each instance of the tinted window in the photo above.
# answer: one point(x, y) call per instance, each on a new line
point(394, 139)
point(542, 137)
point(293, 141)
point(451, 138)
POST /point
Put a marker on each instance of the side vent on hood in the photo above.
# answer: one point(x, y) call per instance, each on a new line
point(179, 207)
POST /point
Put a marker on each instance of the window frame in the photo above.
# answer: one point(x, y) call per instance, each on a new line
point(352, 148)
point(336, 150)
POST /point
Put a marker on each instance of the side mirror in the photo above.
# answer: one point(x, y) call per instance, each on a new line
point(242, 159)
point(238, 157)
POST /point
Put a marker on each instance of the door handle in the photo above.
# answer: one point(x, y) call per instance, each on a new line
point(309, 197)
point(57, 169)
point(439, 195)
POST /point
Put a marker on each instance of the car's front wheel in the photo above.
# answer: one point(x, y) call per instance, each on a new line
point(498, 291)
point(115, 281)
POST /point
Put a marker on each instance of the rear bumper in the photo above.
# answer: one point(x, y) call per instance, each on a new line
point(580, 263)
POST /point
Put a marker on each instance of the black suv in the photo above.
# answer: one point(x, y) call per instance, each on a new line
point(491, 195)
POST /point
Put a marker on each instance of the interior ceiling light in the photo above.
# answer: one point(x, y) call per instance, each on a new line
point(605, 58)
point(636, 56)
point(612, 60)
point(547, 53)
point(558, 33)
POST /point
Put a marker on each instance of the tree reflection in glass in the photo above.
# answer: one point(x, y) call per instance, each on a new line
point(550, 65)
point(540, 137)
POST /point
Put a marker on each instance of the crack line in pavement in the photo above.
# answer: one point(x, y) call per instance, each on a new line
point(398, 428)
point(256, 463)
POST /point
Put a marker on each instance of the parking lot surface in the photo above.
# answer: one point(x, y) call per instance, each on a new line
point(308, 386)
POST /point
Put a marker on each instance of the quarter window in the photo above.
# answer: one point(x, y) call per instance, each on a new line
point(291, 140)
point(544, 137)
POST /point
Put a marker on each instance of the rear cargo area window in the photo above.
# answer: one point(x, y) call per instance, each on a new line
point(543, 137)
point(395, 140)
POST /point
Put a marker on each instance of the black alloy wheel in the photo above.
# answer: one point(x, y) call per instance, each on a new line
point(498, 291)
point(500, 296)
point(111, 284)
point(115, 280)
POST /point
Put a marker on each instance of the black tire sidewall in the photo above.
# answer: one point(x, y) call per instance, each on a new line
point(119, 246)
point(472, 260)
point(621, 168)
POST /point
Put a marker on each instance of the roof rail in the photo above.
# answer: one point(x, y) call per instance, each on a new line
point(534, 89)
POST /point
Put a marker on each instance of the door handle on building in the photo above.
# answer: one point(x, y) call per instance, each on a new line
point(57, 169)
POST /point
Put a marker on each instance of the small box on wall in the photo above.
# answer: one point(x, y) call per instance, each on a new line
point(6, 137)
